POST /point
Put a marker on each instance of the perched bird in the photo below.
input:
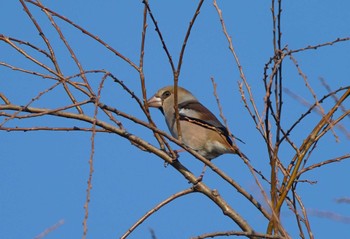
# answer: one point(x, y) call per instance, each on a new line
point(200, 129)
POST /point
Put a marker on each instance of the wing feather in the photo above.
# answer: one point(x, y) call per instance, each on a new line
point(195, 112)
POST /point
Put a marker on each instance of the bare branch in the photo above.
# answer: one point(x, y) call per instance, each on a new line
point(238, 233)
point(314, 47)
point(343, 200)
point(83, 30)
point(329, 161)
point(156, 208)
point(50, 229)
point(260, 126)
point(26, 129)
point(160, 35)
point(329, 215)
point(189, 29)
point(91, 160)
point(307, 144)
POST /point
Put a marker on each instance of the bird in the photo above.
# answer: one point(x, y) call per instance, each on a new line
point(200, 129)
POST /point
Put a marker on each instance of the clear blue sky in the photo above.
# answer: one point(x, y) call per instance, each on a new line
point(43, 174)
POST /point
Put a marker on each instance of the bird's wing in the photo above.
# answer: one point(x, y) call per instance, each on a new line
point(197, 113)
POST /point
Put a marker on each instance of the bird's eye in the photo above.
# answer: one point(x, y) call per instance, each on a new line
point(166, 94)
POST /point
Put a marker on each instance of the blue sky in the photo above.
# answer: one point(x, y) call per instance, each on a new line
point(43, 174)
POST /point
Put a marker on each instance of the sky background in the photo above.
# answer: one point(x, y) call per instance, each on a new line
point(43, 175)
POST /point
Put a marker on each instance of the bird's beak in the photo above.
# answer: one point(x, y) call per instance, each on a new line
point(155, 102)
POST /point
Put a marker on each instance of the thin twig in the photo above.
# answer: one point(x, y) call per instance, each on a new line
point(188, 32)
point(329, 90)
point(28, 71)
point(30, 102)
point(329, 161)
point(52, 53)
point(156, 208)
point(329, 215)
point(237, 233)
point(314, 47)
point(308, 86)
point(73, 55)
point(307, 144)
point(293, 206)
point(160, 35)
point(91, 159)
point(49, 229)
point(310, 108)
point(306, 219)
point(40, 128)
point(83, 30)
point(240, 68)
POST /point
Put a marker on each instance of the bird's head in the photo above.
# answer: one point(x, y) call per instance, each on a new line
point(165, 96)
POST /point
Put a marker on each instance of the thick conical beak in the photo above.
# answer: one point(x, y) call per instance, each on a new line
point(155, 102)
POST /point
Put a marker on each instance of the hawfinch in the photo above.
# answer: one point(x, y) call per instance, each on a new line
point(200, 129)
